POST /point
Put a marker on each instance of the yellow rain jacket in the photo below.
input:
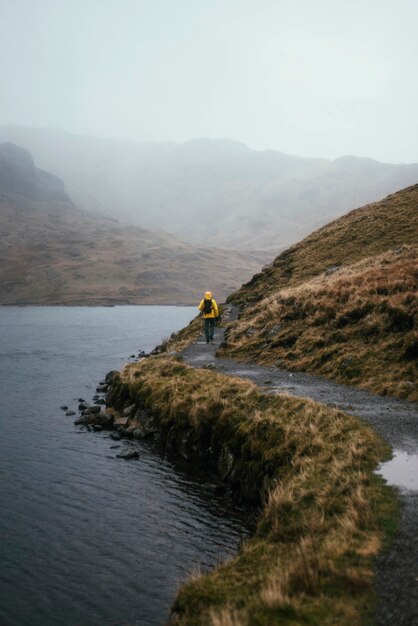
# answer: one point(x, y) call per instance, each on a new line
point(214, 312)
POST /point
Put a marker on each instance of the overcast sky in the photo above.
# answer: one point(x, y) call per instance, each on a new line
point(308, 77)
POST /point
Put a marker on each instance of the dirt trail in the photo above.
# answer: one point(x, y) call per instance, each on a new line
point(395, 420)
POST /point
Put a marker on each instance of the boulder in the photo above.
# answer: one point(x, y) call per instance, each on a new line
point(110, 376)
point(83, 406)
point(70, 413)
point(121, 421)
point(64, 407)
point(124, 432)
point(129, 410)
point(128, 454)
point(106, 419)
point(102, 388)
point(139, 434)
point(115, 436)
point(81, 420)
point(225, 462)
point(147, 425)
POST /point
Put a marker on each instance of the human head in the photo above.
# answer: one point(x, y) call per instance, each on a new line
point(208, 294)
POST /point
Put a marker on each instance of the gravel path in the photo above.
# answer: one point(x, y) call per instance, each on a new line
point(395, 420)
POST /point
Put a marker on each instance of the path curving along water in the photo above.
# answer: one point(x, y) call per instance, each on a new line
point(395, 420)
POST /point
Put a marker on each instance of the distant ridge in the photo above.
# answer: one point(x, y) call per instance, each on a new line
point(211, 192)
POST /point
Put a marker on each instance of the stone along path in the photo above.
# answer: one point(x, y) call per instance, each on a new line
point(396, 421)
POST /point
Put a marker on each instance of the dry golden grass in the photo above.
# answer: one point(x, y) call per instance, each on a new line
point(365, 232)
point(357, 325)
point(324, 514)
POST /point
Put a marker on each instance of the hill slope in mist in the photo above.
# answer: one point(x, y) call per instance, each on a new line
point(342, 303)
point(51, 252)
point(211, 192)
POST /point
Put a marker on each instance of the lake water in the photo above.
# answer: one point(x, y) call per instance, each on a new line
point(88, 539)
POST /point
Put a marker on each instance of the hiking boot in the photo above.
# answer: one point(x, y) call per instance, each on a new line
point(207, 340)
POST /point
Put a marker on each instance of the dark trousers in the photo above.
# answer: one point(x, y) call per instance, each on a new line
point(209, 327)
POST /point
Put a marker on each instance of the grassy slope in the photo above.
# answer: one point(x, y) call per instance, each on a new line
point(357, 325)
point(326, 514)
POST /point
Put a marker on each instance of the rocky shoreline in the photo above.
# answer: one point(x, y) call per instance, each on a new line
point(119, 408)
point(129, 424)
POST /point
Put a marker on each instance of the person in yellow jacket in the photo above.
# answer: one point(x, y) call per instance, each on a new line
point(210, 312)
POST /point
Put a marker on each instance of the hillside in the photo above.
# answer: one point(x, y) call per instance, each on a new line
point(216, 192)
point(342, 303)
point(52, 252)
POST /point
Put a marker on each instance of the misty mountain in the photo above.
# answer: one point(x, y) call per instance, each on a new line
point(52, 252)
point(212, 192)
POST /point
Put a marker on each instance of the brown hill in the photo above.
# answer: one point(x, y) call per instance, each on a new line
point(342, 303)
point(51, 252)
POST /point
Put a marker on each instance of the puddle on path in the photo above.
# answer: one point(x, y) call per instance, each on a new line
point(401, 471)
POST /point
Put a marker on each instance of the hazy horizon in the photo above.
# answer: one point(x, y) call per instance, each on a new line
point(321, 80)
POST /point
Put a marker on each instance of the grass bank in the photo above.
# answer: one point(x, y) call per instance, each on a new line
point(356, 325)
point(324, 515)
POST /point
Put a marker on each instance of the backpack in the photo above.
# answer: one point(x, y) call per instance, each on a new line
point(207, 306)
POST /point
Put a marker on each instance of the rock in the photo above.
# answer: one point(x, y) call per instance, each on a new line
point(106, 419)
point(100, 401)
point(70, 413)
point(92, 410)
point(138, 433)
point(129, 410)
point(250, 332)
point(81, 420)
point(102, 388)
point(273, 331)
point(146, 423)
point(332, 269)
point(64, 407)
point(81, 400)
point(121, 421)
point(97, 427)
point(124, 432)
point(110, 376)
point(225, 462)
point(185, 446)
point(113, 447)
point(128, 454)
point(83, 406)
point(115, 436)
